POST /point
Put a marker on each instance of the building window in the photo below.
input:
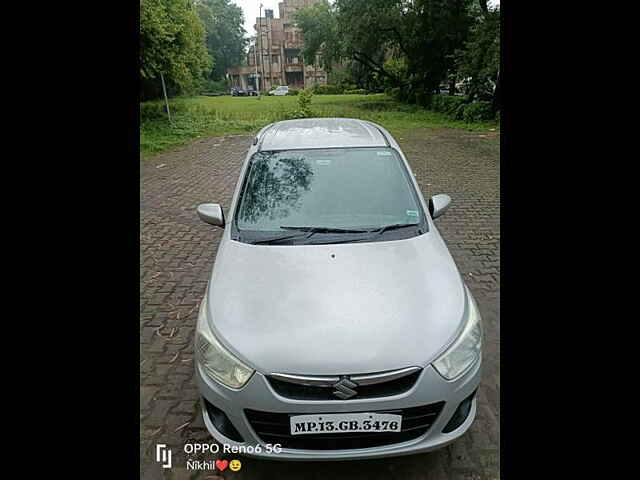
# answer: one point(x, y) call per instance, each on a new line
point(274, 58)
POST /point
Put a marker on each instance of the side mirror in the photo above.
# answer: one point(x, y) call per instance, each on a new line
point(211, 213)
point(438, 204)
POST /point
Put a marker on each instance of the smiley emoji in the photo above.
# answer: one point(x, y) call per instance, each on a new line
point(235, 465)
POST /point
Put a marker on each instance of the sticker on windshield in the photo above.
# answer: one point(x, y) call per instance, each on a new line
point(412, 213)
point(384, 153)
point(323, 162)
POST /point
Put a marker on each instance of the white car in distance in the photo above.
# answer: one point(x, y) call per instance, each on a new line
point(280, 91)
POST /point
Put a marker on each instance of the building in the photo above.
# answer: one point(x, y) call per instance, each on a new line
point(278, 56)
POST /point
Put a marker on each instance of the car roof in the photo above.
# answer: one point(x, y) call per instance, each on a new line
point(321, 133)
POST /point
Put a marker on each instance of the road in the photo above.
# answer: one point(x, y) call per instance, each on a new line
point(176, 254)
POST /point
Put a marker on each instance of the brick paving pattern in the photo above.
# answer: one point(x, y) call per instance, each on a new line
point(177, 252)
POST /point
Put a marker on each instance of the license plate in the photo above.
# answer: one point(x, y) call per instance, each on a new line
point(345, 422)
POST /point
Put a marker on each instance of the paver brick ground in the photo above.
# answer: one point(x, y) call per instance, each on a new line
point(177, 252)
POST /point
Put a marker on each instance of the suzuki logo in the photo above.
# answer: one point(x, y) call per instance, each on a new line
point(344, 389)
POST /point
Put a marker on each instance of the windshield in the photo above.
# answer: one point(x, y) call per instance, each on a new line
point(352, 190)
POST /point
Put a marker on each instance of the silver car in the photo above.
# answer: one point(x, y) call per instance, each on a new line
point(280, 91)
point(335, 324)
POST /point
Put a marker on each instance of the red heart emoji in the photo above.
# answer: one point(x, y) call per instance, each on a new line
point(222, 464)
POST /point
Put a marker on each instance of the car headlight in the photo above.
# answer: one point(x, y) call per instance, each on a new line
point(466, 350)
point(216, 361)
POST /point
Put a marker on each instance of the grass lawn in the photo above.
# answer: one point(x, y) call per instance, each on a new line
point(214, 116)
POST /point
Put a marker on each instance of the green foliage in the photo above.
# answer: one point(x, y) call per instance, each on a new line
point(410, 45)
point(304, 105)
point(321, 34)
point(213, 86)
point(223, 22)
point(477, 111)
point(479, 60)
point(422, 97)
point(327, 89)
point(152, 111)
point(294, 91)
point(459, 108)
point(449, 104)
point(397, 68)
point(214, 116)
point(343, 76)
point(356, 91)
point(172, 44)
point(421, 36)
point(157, 110)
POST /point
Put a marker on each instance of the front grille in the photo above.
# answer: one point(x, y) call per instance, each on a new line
point(297, 391)
point(275, 428)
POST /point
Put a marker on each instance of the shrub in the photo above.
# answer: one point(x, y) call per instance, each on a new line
point(151, 111)
point(477, 111)
point(423, 97)
point(294, 91)
point(327, 89)
point(379, 106)
point(211, 86)
point(304, 105)
point(447, 104)
point(157, 110)
point(356, 91)
point(458, 113)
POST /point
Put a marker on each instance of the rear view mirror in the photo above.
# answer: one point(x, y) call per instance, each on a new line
point(211, 213)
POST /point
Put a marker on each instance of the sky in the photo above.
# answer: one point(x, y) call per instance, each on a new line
point(251, 9)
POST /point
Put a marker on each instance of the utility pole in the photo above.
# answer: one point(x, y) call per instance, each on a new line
point(261, 45)
point(255, 57)
point(269, 48)
point(166, 100)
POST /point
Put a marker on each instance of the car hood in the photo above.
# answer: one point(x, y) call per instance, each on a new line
point(336, 309)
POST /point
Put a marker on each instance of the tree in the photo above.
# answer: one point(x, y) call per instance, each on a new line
point(421, 35)
point(320, 29)
point(172, 44)
point(225, 34)
point(479, 60)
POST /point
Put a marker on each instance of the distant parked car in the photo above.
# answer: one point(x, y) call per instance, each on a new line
point(252, 93)
point(280, 91)
point(238, 92)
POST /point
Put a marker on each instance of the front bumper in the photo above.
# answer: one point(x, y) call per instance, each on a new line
point(259, 395)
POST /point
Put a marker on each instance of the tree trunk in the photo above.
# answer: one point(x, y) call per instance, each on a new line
point(452, 86)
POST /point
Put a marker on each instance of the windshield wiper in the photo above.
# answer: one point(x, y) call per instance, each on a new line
point(276, 239)
point(309, 232)
point(325, 229)
point(394, 226)
point(375, 231)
